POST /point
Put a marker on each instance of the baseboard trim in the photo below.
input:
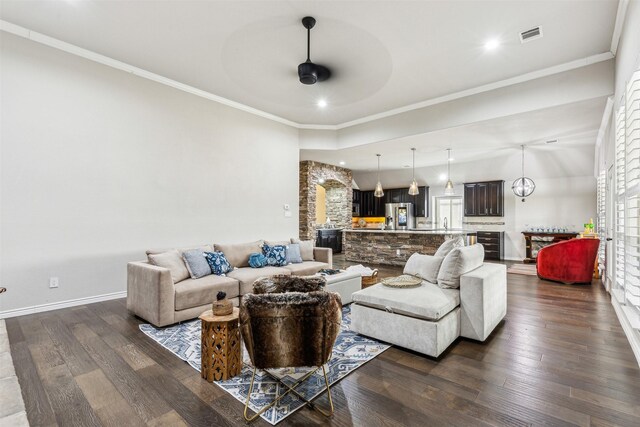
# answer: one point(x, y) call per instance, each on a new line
point(632, 335)
point(62, 304)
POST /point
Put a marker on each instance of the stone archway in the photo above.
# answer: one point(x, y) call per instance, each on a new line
point(337, 182)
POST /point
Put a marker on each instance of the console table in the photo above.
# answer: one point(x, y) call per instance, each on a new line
point(529, 237)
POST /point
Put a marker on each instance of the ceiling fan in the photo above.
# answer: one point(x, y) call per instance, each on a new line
point(308, 72)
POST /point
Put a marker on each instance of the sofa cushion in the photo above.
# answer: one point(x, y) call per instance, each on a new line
point(218, 263)
point(247, 275)
point(155, 251)
point(171, 260)
point(448, 246)
point(306, 268)
point(458, 262)
point(293, 253)
point(306, 248)
point(238, 253)
point(425, 267)
point(196, 263)
point(427, 301)
point(196, 292)
point(276, 242)
point(276, 255)
point(257, 261)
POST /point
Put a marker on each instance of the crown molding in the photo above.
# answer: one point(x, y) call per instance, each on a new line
point(110, 62)
point(567, 66)
point(617, 29)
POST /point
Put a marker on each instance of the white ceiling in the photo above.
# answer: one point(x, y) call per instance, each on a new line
point(384, 54)
point(571, 124)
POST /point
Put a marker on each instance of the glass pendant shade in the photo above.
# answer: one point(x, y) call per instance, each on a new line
point(378, 192)
point(413, 188)
point(448, 189)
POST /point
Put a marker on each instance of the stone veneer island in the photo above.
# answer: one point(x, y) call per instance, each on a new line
point(393, 247)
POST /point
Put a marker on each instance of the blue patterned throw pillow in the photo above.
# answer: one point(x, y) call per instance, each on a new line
point(257, 260)
point(276, 255)
point(218, 263)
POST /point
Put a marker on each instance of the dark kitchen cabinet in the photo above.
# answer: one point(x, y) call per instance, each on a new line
point(374, 206)
point(420, 202)
point(356, 196)
point(493, 242)
point(371, 205)
point(484, 198)
point(330, 238)
point(470, 200)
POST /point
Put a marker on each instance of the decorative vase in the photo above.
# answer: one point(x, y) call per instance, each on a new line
point(221, 306)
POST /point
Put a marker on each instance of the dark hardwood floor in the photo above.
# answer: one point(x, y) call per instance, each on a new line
point(559, 358)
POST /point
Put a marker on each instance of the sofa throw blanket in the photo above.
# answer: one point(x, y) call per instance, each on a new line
point(281, 284)
point(257, 260)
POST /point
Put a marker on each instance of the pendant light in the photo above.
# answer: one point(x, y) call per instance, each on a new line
point(378, 191)
point(413, 188)
point(523, 186)
point(448, 189)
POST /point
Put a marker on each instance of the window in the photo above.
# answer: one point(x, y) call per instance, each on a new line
point(632, 193)
point(618, 286)
point(601, 220)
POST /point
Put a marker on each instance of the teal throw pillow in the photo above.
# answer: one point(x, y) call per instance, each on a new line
point(276, 255)
point(218, 263)
point(257, 260)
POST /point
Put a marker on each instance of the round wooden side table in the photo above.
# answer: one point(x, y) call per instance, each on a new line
point(221, 351)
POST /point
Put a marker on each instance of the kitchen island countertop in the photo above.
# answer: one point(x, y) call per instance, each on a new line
point(414, 231)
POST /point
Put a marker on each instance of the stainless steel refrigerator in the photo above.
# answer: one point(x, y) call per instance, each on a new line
point(399, 216)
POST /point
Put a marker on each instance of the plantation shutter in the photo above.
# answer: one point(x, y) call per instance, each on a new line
point(632, 191)
point(620, 149)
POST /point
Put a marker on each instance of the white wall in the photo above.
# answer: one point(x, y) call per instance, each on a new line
point(565, 192)
point(98, 165)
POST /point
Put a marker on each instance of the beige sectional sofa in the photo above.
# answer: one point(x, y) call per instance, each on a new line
point(153, 295)
point(428, 318)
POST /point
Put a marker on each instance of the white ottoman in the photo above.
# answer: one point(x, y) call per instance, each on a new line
point(345, 284)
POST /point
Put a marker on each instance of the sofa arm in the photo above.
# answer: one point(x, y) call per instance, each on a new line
point(151, 293)
point(483, 300)
point(323, 255)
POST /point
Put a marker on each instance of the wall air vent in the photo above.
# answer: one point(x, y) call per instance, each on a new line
point(532, 34)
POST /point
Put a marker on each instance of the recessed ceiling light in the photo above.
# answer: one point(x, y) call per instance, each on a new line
point(341, 162)
point(491, 44)
point(322, 103)
point(443, 177)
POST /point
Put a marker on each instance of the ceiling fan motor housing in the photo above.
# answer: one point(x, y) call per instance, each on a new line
point(308, 73)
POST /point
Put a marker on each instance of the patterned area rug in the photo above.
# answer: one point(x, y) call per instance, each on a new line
point(524, 269)
point(349, 353)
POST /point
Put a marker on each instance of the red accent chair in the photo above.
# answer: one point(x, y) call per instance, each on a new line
point(569, 261)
